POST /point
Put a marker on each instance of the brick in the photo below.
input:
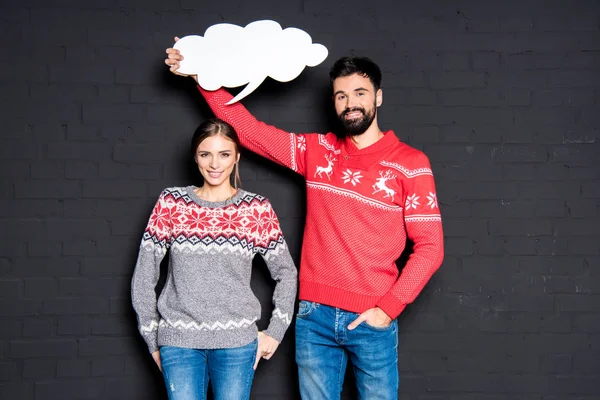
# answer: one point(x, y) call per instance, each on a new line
point(586, 364)
point(20, 308)
point(43, 348)
point(79, 247)
point(16, 149)
point(112, 170)
point(108, 366)
point(550, 208)
point(106, 346)
point(27, 73)
point(37, 327)
point(486, 60)
point(551, 246)
point(518, 172)
point(106, 266)
point(95, 113)
point(457, 98)
point(457, 80)
point(556, 364)
point(516, 24)
point(521, 153)
point(520, 246)
point(36, 248)
point(590, 190)
point(75, 306)
point(574, 385)
point(114, 94)
point(9, 372)
point(584, 245)
point(114, 189)
point(577, 226)
point(93, 286)
point(79, 227)
point(50, 267)
point(456, 134)
point(419, 96)
point(73, 325)
point(72, 368)
point(43, 189)
point(579, 137)
point(551, 172)
point(74, 92)
point(78, 151)
point(10, 289)
point(85, 388)
point(582, 208)
point(565, 266)
point(11, 329)
point(461, 227)
point(16, 390)
point(47, 170)
point(549, 190)
point(81, 170)
point(77, 132)
point(39, 369)
point(120, 305)
point(578, 302)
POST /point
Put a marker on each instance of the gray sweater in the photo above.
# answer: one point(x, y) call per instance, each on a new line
point(207, 302)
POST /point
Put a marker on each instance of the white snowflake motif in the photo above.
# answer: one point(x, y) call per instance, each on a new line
point(301, 143)
point(432, 200)
point(352, 177)
point(412, 202)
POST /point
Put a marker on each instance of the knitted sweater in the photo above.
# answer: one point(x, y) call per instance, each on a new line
point(207, 301)
point(362, 204)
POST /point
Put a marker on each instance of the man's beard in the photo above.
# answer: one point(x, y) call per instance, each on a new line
point(357, 126)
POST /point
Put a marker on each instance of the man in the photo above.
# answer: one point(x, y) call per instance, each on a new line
point(366, 193)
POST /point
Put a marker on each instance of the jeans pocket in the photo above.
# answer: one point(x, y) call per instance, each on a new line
point(305, 308)
point(378, 328)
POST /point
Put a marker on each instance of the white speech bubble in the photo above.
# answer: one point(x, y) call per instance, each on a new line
point(231, 56)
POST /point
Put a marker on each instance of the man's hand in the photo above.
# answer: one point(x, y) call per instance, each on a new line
point(156, 356)
point(173, 59)
point(266, 347)
point(374, 317)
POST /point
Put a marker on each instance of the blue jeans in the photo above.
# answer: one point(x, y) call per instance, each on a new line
point(324, 345)
point(188, 371)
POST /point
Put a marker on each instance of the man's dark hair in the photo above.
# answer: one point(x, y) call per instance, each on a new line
point(363, 66)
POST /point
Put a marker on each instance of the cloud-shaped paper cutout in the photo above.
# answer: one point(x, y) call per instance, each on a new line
point(231, 56)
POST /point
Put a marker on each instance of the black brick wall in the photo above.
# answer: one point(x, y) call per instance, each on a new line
point(504, 97)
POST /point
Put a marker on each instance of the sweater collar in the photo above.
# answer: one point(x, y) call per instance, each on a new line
point(214, 204)
point(388, 139)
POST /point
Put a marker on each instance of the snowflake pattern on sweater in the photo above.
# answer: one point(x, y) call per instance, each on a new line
point(207, 301)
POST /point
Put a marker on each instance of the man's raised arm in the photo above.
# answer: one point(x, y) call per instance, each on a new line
point(284, 148)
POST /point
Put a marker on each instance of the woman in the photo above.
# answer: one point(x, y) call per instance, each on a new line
point(203, 326)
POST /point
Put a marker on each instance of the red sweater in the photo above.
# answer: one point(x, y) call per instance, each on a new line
point(361, 207)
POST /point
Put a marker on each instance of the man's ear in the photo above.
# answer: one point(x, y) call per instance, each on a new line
point(379, 97)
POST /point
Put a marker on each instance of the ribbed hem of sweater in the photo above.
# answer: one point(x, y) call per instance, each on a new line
point(346, 300)
point(218, 339)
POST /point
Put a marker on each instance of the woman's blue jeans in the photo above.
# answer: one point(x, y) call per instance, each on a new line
point(187, 372)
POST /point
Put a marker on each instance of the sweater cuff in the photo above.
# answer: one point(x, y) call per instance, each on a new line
point(391, 306)
point(276, 329)
point(151, 340)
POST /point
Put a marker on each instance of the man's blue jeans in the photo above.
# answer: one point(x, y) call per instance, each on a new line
point(324, 345)
point(188, 371)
